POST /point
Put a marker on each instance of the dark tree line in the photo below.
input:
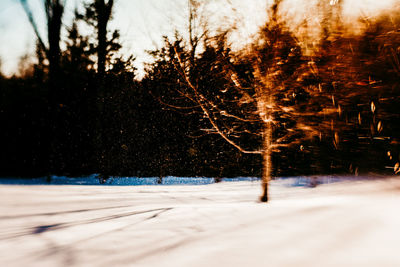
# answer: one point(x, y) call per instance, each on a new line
point(202, 109)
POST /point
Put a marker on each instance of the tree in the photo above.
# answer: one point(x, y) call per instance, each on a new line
point(54, 10)
point(78, 53)
point(360, 71)
point(98, 14)
point(103, 12)
point(277, 97)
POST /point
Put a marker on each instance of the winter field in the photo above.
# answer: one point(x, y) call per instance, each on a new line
point(342, 222)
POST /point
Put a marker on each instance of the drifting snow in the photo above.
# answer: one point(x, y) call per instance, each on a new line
point(347, 223)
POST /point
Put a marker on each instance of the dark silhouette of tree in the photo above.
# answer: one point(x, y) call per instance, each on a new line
point(202, 109)
point(103, 15)
point(78, 53)
point(98, 14)
point(54, 10)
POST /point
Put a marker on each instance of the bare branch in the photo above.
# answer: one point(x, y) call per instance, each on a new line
point(198, 98)
point(172, 106)
point(29, 14)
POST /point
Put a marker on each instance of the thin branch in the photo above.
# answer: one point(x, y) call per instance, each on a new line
point(225, 113)
point(29, 14)
point(172, 106)
point(206, 112)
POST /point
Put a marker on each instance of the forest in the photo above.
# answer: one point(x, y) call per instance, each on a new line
point(301, 100)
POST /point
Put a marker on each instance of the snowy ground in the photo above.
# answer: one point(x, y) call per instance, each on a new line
point(348, 223)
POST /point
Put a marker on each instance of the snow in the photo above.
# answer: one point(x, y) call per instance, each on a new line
point(119, 181)
point(342, 222)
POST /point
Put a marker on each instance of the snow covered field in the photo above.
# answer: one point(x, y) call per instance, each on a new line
point(347, 223)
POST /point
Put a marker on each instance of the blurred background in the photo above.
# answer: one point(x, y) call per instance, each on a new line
point(199, 88)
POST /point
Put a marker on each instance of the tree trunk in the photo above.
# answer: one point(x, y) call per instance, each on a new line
point(102, 47)
point(101, 94)
point(266, 161)
point(103, 11)
point(56, 97)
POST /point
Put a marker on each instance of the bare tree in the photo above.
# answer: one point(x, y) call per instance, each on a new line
point(50, 48)
point(285, 98)
point(54, 10)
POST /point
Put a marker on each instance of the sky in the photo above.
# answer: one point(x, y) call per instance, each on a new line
point(142, 23)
